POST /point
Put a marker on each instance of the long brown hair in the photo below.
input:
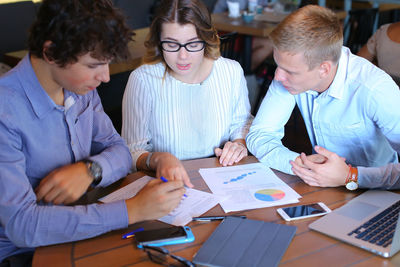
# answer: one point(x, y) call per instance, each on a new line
point(182, 12)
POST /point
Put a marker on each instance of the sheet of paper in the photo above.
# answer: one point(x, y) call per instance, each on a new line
point(127, 191)
point(196, 203)
point(248, 186)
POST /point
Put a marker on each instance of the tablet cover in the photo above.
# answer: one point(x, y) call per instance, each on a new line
point(243, 242)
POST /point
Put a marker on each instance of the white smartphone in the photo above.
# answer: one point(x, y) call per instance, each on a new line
point(303, 211)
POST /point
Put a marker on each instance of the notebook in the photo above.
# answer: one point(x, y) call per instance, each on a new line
point(369, 221)
point(244, 242)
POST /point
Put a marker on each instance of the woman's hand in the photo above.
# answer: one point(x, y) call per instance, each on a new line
point(232, 152)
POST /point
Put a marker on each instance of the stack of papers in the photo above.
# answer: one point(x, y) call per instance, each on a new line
point(248, 186)
point(236, 188)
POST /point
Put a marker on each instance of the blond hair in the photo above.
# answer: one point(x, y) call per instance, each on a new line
point(312, 30)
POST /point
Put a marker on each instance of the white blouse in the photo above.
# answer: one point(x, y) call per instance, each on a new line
point(187, 120)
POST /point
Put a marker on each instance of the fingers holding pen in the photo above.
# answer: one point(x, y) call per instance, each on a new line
point(155, 200)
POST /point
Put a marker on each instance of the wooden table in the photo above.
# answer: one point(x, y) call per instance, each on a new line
point(308, 248)
point(136, 49)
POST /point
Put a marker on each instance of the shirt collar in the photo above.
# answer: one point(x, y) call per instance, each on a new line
point(336, 89)
point(37, 96)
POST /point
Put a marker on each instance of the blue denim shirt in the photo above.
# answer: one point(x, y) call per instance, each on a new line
point(357, 117)
point(36, 137)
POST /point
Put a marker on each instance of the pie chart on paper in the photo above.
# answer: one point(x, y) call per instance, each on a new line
point(269, 194)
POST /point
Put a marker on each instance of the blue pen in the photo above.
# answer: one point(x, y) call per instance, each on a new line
point(165, 180)
point(131, 234)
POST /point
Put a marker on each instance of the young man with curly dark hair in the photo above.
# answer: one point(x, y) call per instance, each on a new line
point(55, 139)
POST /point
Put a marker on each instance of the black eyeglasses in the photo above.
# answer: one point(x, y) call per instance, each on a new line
point(194, 46)
point(162, 256)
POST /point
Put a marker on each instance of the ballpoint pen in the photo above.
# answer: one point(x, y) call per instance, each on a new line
point(131, 234)
point(165, 180)
point(215, 218)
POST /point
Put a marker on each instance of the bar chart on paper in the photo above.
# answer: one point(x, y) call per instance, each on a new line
point(240, 177)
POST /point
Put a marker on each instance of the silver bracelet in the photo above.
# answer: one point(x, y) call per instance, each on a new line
point(148, 160)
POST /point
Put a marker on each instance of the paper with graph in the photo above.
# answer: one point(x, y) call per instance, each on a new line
point(248, 186)
point(194, 204)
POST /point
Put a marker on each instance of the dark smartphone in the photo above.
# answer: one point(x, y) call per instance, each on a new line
point(165, 236)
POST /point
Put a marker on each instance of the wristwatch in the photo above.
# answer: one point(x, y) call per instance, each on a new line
point(95, 171)
point(352, 179)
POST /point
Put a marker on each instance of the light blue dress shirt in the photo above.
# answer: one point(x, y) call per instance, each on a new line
point(357, 117)
point(36, 137)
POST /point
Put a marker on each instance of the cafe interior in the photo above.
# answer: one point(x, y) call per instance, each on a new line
point(361, 18)
point(360, 21)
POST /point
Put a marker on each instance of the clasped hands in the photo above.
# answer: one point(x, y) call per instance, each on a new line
point(324, 169)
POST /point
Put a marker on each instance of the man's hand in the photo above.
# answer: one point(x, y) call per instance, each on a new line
point(64, 185)
point(332, 172)
point(168, 166)
point(155, 200)
point(316, 158)
point(232, 152)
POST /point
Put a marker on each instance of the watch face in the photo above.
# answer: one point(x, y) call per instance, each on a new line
point(96, 170)
point(352, 185)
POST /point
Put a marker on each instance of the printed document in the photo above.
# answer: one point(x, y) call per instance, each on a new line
point(194, 204)
point(248, 186)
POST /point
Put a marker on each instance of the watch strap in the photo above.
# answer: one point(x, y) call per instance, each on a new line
point(352, 178)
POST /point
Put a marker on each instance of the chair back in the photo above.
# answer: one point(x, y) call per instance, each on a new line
point(138, 13)
point(227, 45)
point(360, 27)
point(15, 20)
point(210, 4)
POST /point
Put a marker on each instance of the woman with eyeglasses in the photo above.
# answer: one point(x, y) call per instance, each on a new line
point(186, 101)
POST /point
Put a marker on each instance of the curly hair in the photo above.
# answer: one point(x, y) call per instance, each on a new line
point(182, 12)
point(77, 27)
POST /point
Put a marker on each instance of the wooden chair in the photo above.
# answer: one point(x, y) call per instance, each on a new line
point(227, 45)
point(111, 95)
point(210, 4)
point(360, 27)
point(266, 72)
point(138, 13)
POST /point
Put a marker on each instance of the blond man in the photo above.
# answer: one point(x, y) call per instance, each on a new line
point(349, 106)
